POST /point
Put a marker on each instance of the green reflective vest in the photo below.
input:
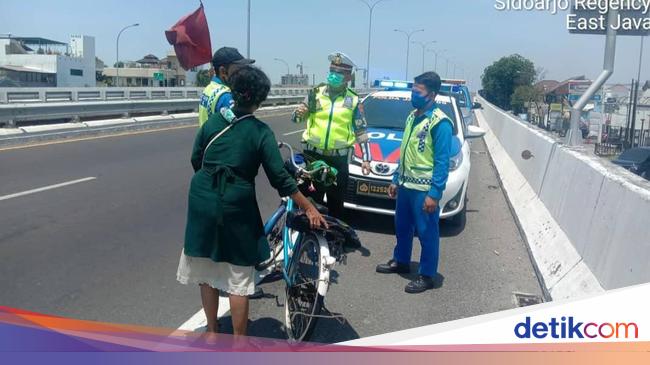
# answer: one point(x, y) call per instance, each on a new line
point(209, 100)
point(417, 153)
point(331, 124)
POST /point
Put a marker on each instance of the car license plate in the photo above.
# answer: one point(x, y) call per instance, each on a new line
point(372, 188)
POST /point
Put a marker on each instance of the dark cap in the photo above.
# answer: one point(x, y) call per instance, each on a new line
point(229, 55)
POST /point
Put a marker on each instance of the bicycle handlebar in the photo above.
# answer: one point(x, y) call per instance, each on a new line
point(293, 161)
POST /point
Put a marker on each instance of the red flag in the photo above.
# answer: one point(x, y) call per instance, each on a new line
point(191, 39)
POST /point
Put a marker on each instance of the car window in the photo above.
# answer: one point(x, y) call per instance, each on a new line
point(391, 112)
point(635, 154)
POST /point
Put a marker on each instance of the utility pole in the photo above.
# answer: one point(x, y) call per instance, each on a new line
point(636, 93)
point(574, 136)
point(248, 36)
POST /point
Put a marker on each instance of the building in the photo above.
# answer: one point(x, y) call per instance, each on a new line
point(151, 71)
point(41, 62)
point(294, 80)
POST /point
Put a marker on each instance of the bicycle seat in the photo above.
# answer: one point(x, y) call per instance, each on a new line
point(321, 208)
point(298, 221)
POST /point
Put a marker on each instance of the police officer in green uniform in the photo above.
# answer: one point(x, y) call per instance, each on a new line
point(334, 124)
point(217, 94)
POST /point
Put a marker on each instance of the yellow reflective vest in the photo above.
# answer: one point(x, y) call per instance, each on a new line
point(209, 99)
point(417, 153)
point(331, 123)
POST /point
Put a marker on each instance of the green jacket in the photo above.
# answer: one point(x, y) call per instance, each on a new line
point(223, 218)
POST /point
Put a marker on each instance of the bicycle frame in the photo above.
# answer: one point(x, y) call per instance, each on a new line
point(288, 246)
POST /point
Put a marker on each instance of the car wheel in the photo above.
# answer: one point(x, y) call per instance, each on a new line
point(460, 219)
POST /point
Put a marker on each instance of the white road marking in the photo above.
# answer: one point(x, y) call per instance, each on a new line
point(49, 187)
point(198, 320)
point(294, 132)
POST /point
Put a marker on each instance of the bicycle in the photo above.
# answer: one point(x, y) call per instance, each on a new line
point(303, 255)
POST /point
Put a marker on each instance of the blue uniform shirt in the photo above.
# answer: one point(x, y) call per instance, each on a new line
point(442, 146)
point(225, 100)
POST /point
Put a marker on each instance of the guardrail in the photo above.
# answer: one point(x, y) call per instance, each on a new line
point(608, 149)
point(9, 95)
point(45, 104)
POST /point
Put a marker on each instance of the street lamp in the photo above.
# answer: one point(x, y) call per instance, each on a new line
point(437, 53)
point(286, 64)
point(424, 48)
point(408, 47)
point(447, 67)
point(117, 53)
point(371, 8)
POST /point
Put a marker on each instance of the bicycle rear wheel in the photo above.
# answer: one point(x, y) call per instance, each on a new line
point(302, 300)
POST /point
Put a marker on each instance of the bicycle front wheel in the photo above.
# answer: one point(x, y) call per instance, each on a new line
point(302, 300)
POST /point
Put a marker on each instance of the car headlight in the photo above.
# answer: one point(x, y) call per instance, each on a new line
point(354, 160)
point(456, 161)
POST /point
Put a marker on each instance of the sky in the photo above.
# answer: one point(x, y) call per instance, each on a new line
point(474, 34)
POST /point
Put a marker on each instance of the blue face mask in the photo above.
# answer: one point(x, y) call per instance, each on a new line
point(335, 79)
point(418, 101)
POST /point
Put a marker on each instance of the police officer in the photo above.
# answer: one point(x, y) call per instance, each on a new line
point(419, 183)
point(217, 94)
point(334, 124)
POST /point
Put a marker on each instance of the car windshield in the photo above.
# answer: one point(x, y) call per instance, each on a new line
point(635, 154)
point(457, 92)
point(391, 112)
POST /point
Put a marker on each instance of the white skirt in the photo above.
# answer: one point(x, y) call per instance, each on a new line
point(232, 279)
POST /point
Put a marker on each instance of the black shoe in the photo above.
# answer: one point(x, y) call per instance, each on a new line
point(393, 267)
point(419, 285)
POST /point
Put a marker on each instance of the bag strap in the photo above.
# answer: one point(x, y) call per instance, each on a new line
point(221, 134)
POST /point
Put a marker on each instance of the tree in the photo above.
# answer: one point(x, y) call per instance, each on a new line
point(527, 96)
point(203, 78)
point(502, 78)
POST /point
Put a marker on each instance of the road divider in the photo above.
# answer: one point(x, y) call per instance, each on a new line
point(49, 132)
point(585, 220)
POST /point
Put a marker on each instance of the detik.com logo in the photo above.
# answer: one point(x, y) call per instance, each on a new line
point(568, 327)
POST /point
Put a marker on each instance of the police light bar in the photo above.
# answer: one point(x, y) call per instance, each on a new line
point(454, 81)
point(393, 84)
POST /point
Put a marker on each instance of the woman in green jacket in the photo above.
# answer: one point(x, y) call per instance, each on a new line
point(224, 236)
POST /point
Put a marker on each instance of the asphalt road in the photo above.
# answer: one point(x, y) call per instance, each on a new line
point(107, 248)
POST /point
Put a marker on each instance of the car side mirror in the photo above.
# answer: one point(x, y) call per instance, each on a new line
point(477, 105)
point(474, 132)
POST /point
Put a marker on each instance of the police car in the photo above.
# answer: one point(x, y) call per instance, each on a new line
point(386, 113)
point(459, 90)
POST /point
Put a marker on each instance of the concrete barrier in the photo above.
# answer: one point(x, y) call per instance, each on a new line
point(586, 220)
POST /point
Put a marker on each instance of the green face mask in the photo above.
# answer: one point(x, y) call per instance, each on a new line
point(335, 79)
